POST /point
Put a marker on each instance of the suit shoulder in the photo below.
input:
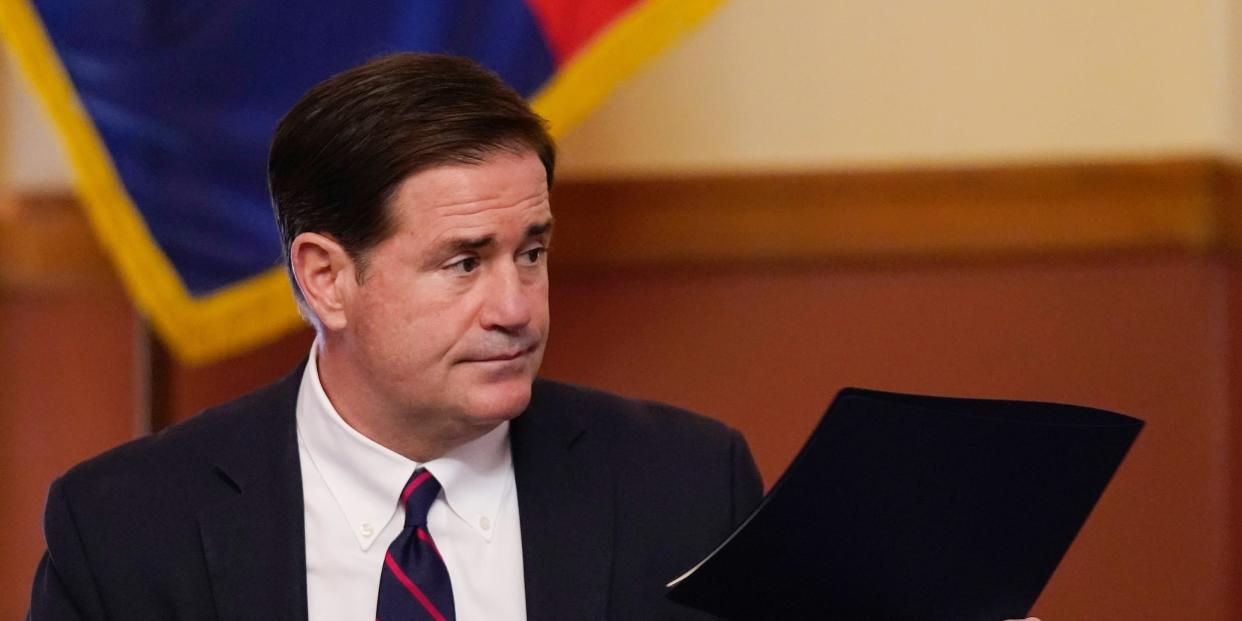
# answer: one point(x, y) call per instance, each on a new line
point(187, 445)
point(629, 417)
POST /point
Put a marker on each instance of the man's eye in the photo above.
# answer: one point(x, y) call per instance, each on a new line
point(532, 256)
point(465, 264)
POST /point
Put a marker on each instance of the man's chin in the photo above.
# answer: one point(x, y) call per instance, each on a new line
point(495, 403)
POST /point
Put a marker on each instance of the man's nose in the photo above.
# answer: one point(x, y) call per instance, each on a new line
point(508, 303)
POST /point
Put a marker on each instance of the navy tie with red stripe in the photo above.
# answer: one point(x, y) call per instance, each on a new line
point(414, 584)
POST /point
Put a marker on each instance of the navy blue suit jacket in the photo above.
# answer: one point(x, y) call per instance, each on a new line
point(204, 520)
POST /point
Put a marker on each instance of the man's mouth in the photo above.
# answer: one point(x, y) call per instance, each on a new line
point(504, 356)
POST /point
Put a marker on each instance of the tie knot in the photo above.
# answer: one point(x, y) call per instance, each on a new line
point(420, 491)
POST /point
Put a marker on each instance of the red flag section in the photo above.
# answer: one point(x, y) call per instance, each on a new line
point(568, 25)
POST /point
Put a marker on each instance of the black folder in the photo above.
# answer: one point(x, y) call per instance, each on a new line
point(907, 507)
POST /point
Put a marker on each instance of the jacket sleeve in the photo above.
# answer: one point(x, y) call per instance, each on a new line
point(64, 588)
point(747, 482)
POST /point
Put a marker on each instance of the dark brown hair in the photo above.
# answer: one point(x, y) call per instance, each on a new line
point(339, 154)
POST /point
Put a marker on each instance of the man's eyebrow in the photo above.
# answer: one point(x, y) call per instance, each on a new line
point(543, 228)
point(475, 243)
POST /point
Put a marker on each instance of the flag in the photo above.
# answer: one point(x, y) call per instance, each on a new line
point(166, 108)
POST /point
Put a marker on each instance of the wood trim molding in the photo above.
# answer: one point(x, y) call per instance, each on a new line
point(899, 214)
point(1189, 204)
point(46, 244)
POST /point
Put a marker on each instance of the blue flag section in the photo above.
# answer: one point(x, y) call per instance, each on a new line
point(185, 95)
point(166, 109)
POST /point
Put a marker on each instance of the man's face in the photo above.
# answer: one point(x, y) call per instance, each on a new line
point(451, 317)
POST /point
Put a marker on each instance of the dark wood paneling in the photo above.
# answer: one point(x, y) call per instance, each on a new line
point(1231, 435)
point(67, 392)
point(189, 389)
point(766, 349)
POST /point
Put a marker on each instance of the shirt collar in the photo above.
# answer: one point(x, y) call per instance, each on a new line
point(366, 478)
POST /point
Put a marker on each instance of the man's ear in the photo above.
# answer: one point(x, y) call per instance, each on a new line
point(325, 273)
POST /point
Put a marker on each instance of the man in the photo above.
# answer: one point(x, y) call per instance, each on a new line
point(413, 467)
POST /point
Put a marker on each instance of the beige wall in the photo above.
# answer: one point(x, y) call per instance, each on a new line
point(780, 84)
point(30, 157)
point(806, 83)
point(1230, 68)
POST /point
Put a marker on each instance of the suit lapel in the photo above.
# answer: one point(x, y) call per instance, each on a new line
point(565, 501)
point(254, 539)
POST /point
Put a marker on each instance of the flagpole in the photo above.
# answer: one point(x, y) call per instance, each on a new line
point(141, 373)
point(152, 380)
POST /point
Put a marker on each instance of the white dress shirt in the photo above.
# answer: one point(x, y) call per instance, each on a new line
point(351, 486)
